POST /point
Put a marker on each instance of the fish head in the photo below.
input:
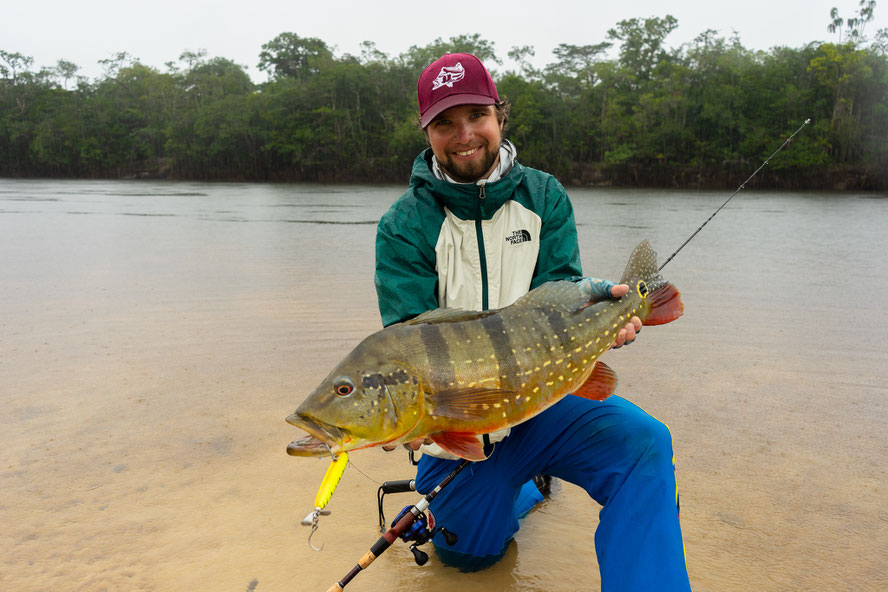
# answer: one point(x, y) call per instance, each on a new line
point(367, 400)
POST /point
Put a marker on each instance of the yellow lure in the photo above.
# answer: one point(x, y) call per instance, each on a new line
point(331, 480)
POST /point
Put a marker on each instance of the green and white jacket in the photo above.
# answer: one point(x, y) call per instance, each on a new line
point(472, 246)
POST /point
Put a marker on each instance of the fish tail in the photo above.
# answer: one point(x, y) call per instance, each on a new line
point(666, 305)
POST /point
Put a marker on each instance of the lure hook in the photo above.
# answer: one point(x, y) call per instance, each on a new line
point(314, 527)
point(312, 520)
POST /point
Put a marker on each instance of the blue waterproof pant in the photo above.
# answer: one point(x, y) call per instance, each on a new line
point(615, 451)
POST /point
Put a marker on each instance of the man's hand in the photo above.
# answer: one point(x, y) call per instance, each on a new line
point(412, 445)
point(599, 290)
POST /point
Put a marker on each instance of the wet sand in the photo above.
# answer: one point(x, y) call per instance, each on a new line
point(149, 361)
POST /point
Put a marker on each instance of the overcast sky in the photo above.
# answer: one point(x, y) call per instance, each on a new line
point(158, 32)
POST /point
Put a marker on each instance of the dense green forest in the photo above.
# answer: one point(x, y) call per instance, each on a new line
point(626, 111)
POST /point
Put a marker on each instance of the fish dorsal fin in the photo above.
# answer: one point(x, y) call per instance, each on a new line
point(463, 445)
point(601, 384)
point(468, 403)
point(448, 315)
point(561, 295)
point(642, 265)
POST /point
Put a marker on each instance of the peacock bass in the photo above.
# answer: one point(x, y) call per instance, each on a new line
point(451, 374)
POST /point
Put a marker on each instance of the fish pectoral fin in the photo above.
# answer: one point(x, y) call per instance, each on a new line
point(468, 403)
point(462, 444)
point(601, 384)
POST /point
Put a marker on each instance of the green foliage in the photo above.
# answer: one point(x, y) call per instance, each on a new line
point(290, 56)
point(855, 26)
point(417, 58)
point(701, 115)
point(642, 46)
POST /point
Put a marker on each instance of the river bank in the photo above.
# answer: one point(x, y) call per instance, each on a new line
point(655, 176)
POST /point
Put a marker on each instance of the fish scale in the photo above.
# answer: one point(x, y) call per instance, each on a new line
point(451, 375)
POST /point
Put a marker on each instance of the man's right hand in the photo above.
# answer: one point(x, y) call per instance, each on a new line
point(412, 445)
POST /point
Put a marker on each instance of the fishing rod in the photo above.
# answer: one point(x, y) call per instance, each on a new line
point(742, 185)
point(401, 528)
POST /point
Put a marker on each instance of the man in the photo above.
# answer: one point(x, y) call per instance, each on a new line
point(477, 230)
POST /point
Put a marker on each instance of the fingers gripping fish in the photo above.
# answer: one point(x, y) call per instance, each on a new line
point(451, 374)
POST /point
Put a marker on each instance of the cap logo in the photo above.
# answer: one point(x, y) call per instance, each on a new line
point(448, 75)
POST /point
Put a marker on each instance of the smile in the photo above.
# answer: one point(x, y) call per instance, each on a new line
point(467, 152)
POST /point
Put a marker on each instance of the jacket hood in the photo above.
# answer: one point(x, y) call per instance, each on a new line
point(464, 199)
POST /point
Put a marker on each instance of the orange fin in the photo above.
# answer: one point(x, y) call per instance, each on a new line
point(666, 305)
point(468, 403)
point(461, 444)
point(601, 384)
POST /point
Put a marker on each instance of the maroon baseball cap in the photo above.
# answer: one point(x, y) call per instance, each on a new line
point(453, 79)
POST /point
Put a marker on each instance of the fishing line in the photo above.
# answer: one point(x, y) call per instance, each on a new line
point(352, 463)
point(742, 185)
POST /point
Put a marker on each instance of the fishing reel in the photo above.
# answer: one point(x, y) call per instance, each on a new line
point(421, 531)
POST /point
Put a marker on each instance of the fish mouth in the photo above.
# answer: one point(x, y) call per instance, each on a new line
point(323, 438)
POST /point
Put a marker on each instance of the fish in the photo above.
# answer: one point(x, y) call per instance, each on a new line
point(450, 375)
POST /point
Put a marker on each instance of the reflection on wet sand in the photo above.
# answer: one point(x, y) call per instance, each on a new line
point(149, 362)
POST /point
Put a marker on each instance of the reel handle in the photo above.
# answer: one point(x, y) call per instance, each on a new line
point(402, 486)
point(449, 537)
point(420, 556)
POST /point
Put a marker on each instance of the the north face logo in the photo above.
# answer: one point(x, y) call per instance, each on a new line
point(518, 236)
point(448, 75)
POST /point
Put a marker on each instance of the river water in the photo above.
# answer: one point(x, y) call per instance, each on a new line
point(154, 336)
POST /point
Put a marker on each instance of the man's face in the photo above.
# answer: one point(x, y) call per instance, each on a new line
point(466, 141)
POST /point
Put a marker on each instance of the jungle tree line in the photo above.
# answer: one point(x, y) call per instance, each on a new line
point(628, 111)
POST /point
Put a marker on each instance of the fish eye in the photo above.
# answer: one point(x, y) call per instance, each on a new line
point(343, 386)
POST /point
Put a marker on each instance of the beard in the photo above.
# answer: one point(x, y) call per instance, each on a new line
point(469, 172)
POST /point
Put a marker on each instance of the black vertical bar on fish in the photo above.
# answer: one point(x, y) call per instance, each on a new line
point(500, 342)
point(392, 534)
point(558, 335)
point(437, 348)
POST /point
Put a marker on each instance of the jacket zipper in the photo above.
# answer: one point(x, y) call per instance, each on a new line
point(482, 254)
